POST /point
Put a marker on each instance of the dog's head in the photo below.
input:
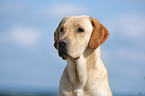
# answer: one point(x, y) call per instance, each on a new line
point(76, 33)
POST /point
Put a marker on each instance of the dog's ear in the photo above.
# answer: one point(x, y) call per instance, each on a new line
point(56, 35)
point(99, 34)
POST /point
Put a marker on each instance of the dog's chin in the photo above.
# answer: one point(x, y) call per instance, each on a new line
point(65, 56)
point(74, 58)
point(77, 58)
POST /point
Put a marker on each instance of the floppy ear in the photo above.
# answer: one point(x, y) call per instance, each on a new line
point(99, 34)
point(56, 35)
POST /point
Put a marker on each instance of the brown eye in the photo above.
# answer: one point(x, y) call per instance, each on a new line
point(61, 29)
point(80, 30)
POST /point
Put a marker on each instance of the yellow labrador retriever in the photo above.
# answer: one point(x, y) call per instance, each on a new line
point(77, 39)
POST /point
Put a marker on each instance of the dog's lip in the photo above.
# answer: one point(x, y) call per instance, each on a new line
point(63, 55)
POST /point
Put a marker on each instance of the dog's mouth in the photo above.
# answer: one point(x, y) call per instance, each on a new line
point(64, 54)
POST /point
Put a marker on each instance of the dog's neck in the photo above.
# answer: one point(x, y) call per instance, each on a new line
point(77, 70)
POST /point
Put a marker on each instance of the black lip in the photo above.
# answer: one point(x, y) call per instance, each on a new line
point(62, 51)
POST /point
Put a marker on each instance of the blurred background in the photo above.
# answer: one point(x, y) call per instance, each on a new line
point(30, 65)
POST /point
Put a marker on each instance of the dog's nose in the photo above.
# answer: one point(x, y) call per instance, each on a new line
point(63, 43)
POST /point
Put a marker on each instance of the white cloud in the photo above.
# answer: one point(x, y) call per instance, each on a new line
point(23, 36)
point(12, 7)
point(131, 26)
point(131, 55)
point(129, 30)
point(61, 10)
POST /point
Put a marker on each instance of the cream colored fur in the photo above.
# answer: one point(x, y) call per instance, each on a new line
point(86, 76)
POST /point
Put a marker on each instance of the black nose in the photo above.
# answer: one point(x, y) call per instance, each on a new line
point(63, 43)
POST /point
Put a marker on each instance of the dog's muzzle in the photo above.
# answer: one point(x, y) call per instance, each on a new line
point(62, 49)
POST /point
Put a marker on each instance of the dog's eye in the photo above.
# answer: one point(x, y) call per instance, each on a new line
point(61, 29)
point(80, 30)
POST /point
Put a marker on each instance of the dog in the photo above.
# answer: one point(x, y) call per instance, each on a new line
point(78, 40)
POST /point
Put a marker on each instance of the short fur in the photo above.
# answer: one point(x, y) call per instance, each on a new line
point(86, 75)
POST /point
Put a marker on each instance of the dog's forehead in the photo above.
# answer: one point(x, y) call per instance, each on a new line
point(70, 20)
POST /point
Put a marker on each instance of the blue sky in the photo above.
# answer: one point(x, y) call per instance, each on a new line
point(28, 60)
